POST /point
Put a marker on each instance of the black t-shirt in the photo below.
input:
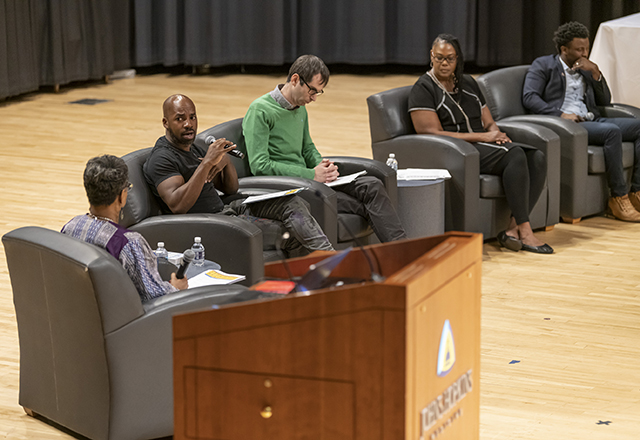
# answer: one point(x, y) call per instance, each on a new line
point(426, 95)
point(167, 161)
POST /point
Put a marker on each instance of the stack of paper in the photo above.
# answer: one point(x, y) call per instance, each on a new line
point(343, 180)
point(272, 195)
point(423, 174)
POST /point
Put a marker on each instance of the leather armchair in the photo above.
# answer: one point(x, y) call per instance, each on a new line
point(474, 202)
point(93, 357)
point(234, 243)
point(321, 198)
point(583, 189)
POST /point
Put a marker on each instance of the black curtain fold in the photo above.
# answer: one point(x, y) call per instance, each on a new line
point(18, 60)
point(47, 42)
point(512, 32)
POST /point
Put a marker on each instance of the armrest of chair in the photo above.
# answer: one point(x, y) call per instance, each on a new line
point(620, 111)
point(140, 360)
point(574, 166)
point(548, 142)
point(318, 196)
point(234, 243)
point(459, 157)
point(350, 165)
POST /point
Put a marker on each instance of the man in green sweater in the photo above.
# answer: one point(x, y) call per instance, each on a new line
point(276, 131)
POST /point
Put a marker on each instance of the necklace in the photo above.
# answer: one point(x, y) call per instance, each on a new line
point(97, 217)
point(439, 84)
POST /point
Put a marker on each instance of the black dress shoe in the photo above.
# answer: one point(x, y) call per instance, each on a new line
point(509, 242)
point(544, 249)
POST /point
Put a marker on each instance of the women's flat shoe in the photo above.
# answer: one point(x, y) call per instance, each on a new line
point(544, 249)
point(510, 242)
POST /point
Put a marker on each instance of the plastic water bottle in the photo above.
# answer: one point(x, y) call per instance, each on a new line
point(198, 249)
point(161, 252)
point(392, 162)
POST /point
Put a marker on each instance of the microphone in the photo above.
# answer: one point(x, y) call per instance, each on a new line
point(375, 276)
point(187, 258)
point(590, 116)
point(235, 153)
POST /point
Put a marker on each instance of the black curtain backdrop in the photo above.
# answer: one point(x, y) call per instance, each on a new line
point(48, 42)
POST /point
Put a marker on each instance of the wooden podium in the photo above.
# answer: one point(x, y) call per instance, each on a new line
point(374, 361)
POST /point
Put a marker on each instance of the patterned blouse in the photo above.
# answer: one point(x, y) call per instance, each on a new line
point(128, 247)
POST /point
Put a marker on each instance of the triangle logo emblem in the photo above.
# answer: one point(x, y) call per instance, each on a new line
point(447, 351)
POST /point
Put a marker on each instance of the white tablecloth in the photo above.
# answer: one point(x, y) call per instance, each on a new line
point(615, 51)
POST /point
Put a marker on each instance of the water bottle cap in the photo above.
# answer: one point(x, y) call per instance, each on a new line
point(197, 239)
point(161, 244)
point(392, 155)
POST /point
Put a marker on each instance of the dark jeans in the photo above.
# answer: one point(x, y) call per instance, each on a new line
point(285, 214)
point(610, 133)
point(367, 197)
point(523, 173)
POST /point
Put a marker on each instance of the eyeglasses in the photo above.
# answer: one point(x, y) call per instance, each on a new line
point(312, 90)
point(439, 58)
point(129, 187)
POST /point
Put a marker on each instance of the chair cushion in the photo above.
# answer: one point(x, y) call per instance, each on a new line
point(490, 186)
point(596, 157)
point(502, 90)
point(356, 224)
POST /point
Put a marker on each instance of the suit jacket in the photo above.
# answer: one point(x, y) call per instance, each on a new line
point(545, 84)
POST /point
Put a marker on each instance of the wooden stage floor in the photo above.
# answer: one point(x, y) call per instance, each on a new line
point(560, 333)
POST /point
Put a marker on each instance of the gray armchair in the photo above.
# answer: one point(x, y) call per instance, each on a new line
point(474, 202)
point(583, 189)
point(232, 242)
point(321, 198)
point(93, 358)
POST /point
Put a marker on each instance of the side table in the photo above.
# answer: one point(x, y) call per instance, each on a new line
point(421, 207)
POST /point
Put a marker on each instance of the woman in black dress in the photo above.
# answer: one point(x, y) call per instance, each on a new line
point(446, 102)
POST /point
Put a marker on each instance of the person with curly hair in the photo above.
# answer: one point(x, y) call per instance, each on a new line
point(571, 86)
point(444, 101)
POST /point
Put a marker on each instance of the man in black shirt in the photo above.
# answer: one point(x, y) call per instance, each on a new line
point(186, 178)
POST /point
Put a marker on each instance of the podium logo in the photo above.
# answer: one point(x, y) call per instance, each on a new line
point(447, 351)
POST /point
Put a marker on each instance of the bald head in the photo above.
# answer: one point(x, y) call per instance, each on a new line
point(173, 101)
point(180, 120)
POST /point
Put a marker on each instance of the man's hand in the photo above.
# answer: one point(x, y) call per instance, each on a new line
point(216, 152)
point(572, 117)
point(224, 161)
point(496, 136)
point(179, 283)
point(326, 171)
point(586, 64)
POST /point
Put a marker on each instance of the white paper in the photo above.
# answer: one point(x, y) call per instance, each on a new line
point(272, 195)
point(343, 180)
point(423, 174)
point(213, 278)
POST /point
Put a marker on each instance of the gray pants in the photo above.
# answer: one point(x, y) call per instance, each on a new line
point(367, 197)
point(277, 216)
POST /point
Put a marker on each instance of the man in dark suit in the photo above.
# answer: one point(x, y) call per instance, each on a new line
point(571, 86)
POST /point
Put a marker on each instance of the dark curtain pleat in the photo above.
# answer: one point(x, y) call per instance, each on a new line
point(159, 32)
point(122, 33)
point(240, 32)
point(47, 42)
point(76, 40)
point(18, 60)
point(411, 27)
point(512, 32)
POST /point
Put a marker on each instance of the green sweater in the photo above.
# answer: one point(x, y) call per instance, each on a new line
point(278, 141)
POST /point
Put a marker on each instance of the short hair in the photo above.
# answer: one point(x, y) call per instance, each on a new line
point(453, 41)
point(308, 66)
point(104, 179)
point(567, 32)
